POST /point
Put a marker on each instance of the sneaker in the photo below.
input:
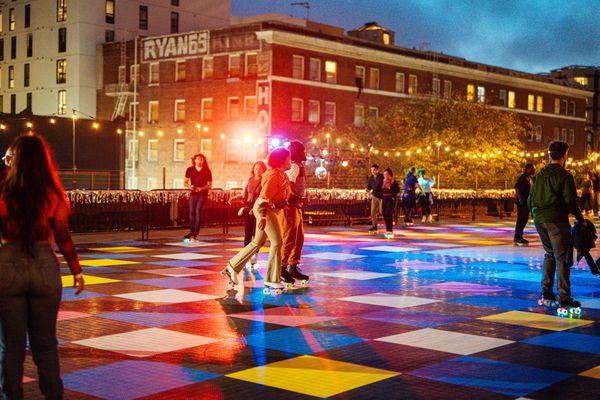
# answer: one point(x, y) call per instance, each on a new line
point(296, 273)
point(521, 241)
point(570, 303)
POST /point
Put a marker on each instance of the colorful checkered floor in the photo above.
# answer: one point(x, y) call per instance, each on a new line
point(445, 311)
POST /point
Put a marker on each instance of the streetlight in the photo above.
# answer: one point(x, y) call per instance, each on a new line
point(198, 127)
point(74, 119)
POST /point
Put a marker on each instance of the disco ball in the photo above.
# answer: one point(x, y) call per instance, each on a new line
point(320, 173)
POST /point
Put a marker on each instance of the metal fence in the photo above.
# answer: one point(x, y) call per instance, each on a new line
point(353, 182)
point(91, 180)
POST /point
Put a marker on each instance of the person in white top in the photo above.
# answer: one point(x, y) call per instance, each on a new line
point(426, 197)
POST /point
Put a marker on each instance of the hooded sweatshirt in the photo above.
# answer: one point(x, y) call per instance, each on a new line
point(553, 196)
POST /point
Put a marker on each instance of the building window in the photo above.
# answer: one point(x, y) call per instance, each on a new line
point(179, 150)
point(109, 36)
point(132, 150)
point(234, 65)
point(563, 136)
point(175, 3)
point(206, 109)
point(512, 101)
point(359, 115)
point(502, 98)
point(110, 11)
point(153, 111)
point(329, 113)
point(530, 102)
point(26, 75)
point(133, 111)
point(374, 78)
point(233, 108)
point(122, 74)
point(250, 108)
point(13, 103)
point(314, 73)
point(11, 76)
point(399, 82)
point(62, 102)
point(297, 67)
point(62, 39)
point(180, 71)
point(538, 134)
point(530, 135)
point(0, 78)
point(539, 105)
point(572, 108)
point(207, 68)
point(28, 101)
point(153, 73)
point(470, 92)
point(134, 73)
point(1, 46)
point(297, 110)
point(480, 94)
point(447, 89)
point(374, 112)
point(556, 133)
point(179, 114)
point(314, 112)
point(174, 22)
point(564, 107)
point(1, 102)
point(13, 47)
point(237, 153)
point(61, 71)
point(178, 182)
point(330, 71)
point(143, 17)
point(582, 80)
point(412, 84)
point(572, 137)
point(27, 15)
point(11, 19)
point(251, 65)
point(435, 86)
point(556, 106)
point(206, 148)
point(152, 183)
point(152, 150)
point(359, 76)
point(61, 10)
point(30, 45)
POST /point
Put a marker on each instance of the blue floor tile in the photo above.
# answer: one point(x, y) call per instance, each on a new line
point(503, 303)
point(568, 341)
point(300, 341)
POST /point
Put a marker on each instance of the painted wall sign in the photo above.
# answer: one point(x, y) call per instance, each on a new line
point(175, 46)
point(263, 98)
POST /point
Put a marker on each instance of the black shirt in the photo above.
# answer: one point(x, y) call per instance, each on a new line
point(199, 179)
point(375, 184)
point(523, 185)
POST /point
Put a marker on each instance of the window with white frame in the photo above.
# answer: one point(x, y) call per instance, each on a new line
point(251, 64)
point(538, 134)
point(132, 150)
point(62, 102)
point(153, 73)
point(565, 107)
point(206, 148)
point(297, 110)
point(556, 106)
point(556, 133)
point(235, 61)
point(572, 137)
point(359, 115)
point(179, 150)
point(572, 108)
point(329, 113)
point(314, 72)
point(233, 108)
point(412, 84)
point(470, 92)
point(539, 104)
point(132, 182)
point(400, 82)
point(563, 135)
point(134, 73)
point(330, 71)
point(374, 112)
point(297, 67)
point(502, 98)
point(359, 74)
point(153, 111)
point(152, 183)
point(178, 183)
point(480, 94)
point(179, 112)
point(11, 76)
point(61, 71)
point(180, 70)
point(231, 185)
point(314, 112)
point(250, 108)
point(531, 102)
point(374, 78)
point(206, 109)
point(447, 89)
point(435, 87)
point(512, 100)
point(530, 135)
point(235, 153)
point(122, 74)
point(133, 111)
point(152, 150)
point(208, 68)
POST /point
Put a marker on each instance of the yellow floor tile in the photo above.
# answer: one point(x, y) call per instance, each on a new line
point(313, 376)
point(592, 373)
point(67, 280)
point(120, 249)
point(533, 320)
point(106, 262)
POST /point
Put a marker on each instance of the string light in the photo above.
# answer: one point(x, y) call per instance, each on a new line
point(314, 140)
point(52, 121)
point(119, 131)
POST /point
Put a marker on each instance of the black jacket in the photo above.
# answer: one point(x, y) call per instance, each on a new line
point(583, 238)
point(375, 183)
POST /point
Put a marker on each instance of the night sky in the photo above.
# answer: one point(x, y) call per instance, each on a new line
point(528, 35)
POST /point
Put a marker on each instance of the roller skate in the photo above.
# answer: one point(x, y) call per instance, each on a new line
point(389, 235)
point(253, 265)
point(521, 242)
point(287, 279)
point(408, 223)
point(295, 273)
point(187, 238)
point(548, 300)
point(373, 230)
point(231, 275)
point(278, 288)
point(570, 308)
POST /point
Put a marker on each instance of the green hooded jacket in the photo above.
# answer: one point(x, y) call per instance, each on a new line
point(553, 196)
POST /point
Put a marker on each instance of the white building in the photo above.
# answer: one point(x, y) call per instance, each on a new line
point(48, 47)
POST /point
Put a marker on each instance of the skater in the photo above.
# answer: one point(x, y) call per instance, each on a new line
point(586, 194)
point(293, 228)
point(522, 189)
point(4, 166)
point(595, 191)
point(374, 189)
point(390, 194)
point(33, 208)
point(198, 178)
point(409, 197)
point(426, 197)
point(269, 205)
point(553, 197)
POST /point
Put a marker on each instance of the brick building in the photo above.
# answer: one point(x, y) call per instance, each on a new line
point(224, 92)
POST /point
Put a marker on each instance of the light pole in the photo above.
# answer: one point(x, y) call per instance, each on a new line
point(199, 129)
point(74, 151)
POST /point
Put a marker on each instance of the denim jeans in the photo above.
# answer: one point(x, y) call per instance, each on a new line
point(555, 237)
point(30, 293)
point(389, 204)
point(196, 205)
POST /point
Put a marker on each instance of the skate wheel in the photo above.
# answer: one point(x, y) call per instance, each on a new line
point(289, 285)
point(186, 241)
point(540, 302)
point(304, 282)
point(278, 291)
point(266, 291)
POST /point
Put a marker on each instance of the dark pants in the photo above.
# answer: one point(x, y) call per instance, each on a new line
point(30, 293)
point(409, 200)
point(555, 238)
point(249, 228)
point(196, 205)
point(388, 206)
point(522, 218)
point(586, 202)
point(425, 202)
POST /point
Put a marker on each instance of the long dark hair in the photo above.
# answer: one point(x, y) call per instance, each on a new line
point(30, 185)
point(297, 151)
point(262, 165)
point(204, 161)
